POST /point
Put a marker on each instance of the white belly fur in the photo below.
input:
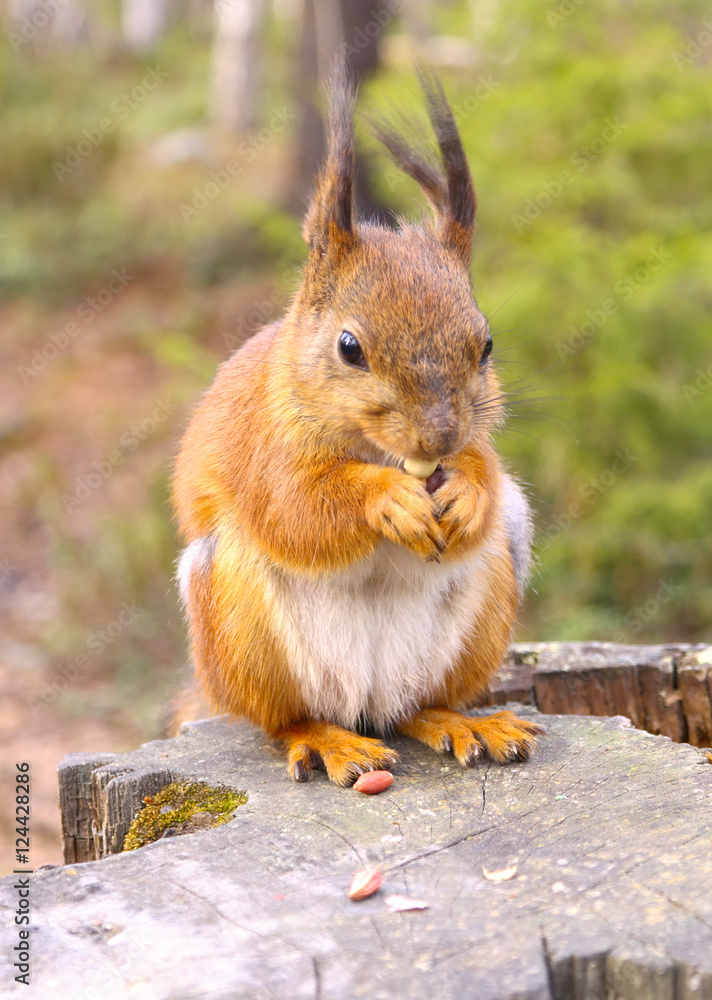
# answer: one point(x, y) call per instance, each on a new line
point(370, 642)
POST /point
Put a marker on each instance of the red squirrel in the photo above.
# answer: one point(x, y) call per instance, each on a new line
point(327, 589)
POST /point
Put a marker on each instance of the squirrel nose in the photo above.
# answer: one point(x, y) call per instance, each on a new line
point(438, 430)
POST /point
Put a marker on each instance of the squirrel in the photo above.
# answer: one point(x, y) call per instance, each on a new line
point(329, 592)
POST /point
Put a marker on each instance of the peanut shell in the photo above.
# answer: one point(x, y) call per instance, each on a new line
point(365, 883)
point(373, 782)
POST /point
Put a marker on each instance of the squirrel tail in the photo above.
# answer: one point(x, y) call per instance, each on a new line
point(186, 705)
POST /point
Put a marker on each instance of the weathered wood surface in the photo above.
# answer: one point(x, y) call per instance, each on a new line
point(99, 795)
point(76, 805)
point(611, 829)
point(666, 690)
point(695, 684)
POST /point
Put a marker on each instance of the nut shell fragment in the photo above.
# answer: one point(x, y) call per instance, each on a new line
point(502, 875)
point(365, 883)
point(400, 904)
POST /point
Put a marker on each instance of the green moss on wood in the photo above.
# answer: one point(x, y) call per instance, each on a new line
point(182, 807)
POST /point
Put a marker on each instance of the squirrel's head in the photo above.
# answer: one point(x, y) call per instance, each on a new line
point(387, 347)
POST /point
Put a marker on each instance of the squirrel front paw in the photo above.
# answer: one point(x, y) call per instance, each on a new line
point(461, 508)
point(401, 509)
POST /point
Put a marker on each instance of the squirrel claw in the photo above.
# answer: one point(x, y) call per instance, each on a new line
point(473, 755)
point(301, 771)
point(536, 730)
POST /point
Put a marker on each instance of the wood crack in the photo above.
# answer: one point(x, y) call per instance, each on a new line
point(685, 909)
point(337, 833)
point(452, 843)
point(484, 794)
point(437, 850)
point(548, 965)
point(317, 977)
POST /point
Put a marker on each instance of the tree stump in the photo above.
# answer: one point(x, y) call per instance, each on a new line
point(664, 689)
point(609, 828)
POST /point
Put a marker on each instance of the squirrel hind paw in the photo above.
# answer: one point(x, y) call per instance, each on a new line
point(505, 737)
point(501, 737)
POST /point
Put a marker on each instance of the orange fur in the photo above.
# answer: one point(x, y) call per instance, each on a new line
point(501, 736)
point(342, 754)
point(290, 475)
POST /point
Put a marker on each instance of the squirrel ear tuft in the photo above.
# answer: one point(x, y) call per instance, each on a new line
point(329, 217)
point(444, 175)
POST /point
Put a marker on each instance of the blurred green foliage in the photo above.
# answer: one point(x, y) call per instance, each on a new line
point(589, 136)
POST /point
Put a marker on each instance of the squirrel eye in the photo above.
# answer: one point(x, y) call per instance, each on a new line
point(487, 350)
point(350, 350)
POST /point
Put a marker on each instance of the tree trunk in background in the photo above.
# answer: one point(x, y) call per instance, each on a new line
point(359, 24)
point(71, 23)
point(360, 19)
point(143, 23)
point(200, 18)
point(418, 23)
point(234, 83)
point(41, 24)
point(309, 137)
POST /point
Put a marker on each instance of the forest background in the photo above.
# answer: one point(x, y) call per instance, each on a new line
point(150, 192)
